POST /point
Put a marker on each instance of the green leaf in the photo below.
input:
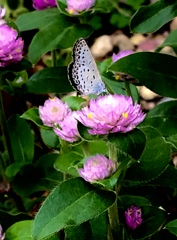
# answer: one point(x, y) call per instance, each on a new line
point(63, 34)
point(152, 70)
point(152, 17)
point(83, 131)
point(20, 231)
point(67, 162)
point(99, 226)
point(153, 160)
point(49, 137)
point(131, 143)
point(53, 79)
point(33, 115)
point(128, 200)
point(75, 103)
point(164, 118)
point(36, 19)
point(172, 227)
point(22, 139)
point(79, 232)
point(71, 203)
point(169, 41)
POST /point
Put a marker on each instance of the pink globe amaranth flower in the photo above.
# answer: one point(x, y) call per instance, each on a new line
point(67, 129)
point(76, 6)
point(2, 236)
point(11, 47)
point(43, 4)
point(53, 111)
point(133, 217)
point(110, 114)
point(97, 168)
point(121, 54)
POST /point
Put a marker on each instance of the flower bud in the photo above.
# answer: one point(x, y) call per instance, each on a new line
point(97, 168)
point(133, 217)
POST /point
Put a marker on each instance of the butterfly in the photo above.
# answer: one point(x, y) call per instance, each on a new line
point(83, 72)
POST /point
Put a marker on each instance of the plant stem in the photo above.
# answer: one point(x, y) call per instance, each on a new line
point(128, 90)
point(113, 221)
point(112, 152)
point(85, 149)
point(4, 129)
point(54, 58)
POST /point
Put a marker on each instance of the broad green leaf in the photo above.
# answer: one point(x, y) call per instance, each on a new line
point(152, 17)
point(33, 115)
point(79, 232)
point(53, 79)
point(22, 139)
point(20, 231)
point(60, 33)
point(50, 138)
point(83, 131)
point(153, 219)
point(36, 19)
point(99, 226)
point(164, 118)
point(128, 200)
point(71, 203)
point(151, 69)
point(169, 41)
point(153, 160)
point(131, 143)
point(67, 162)
point(167, 178)
point(172, 227)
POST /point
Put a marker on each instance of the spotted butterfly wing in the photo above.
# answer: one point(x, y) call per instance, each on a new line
point(83, 72)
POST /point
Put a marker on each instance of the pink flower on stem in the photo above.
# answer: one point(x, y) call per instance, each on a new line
point(133, 217)
point(43, 4)
point(110, 114)
point(97, 168)
point(76, 6)
point(11, 47)
point(53, 112)
point(67, 129)
point(121, 54)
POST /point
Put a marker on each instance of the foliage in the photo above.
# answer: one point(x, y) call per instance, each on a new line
point(42, 195)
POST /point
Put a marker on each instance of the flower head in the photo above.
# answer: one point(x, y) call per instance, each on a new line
point(11, 47)
point(121, 54)
point(133, 217)
point(97, 167)
point(2, 236)
point(76, 6)
point(43, 4)
point(110, 114)
point(67, 129)
point(53, 111)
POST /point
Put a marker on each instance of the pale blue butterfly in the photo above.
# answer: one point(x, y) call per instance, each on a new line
point(83, 72)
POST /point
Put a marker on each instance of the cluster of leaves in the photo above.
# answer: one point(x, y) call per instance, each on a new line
point(145, 176)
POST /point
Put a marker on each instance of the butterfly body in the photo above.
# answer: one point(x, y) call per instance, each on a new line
point(83, 72)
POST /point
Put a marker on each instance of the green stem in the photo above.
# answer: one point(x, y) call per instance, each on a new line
point(113, 221)
point(54, 58)
point(4, 129)
point(64, 147)
point(112, 152)
point(128, 90)
point(85, 149)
